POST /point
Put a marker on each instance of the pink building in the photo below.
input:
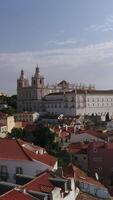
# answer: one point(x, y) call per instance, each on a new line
point(100, 161)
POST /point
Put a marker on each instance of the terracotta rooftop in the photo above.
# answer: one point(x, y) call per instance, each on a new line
point(77, 147)
point(41, 183)
point(15, 195)
point(95, 133)
point(80, 175)
point(10, 149)
point(85, 196)
point(21, 150)
point(32, 152)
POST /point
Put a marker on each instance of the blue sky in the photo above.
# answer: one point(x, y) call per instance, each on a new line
point(68, 39)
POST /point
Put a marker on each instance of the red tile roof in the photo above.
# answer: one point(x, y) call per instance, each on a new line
point(11, 150)
point(78, 174)
point(77, 147)
point(41, 183)
point(98, 134)
point(15, 195)
point(21, 150)
point(32, 152)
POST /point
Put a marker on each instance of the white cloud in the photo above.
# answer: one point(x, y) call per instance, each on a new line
point(61, 43)
point(107, 26)
point(91, 63)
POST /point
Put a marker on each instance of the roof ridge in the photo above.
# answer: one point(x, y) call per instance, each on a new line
point(17, 140)
point(41, 174)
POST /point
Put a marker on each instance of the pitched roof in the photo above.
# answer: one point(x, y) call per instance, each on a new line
point(80, 175)
point(21, 150)
point(33, 152)
point(77, 147)
point(15, 195)
point(11, 150)
point(41, 183)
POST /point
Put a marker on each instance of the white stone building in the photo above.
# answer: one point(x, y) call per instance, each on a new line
point(63, 98)
point(80, 102)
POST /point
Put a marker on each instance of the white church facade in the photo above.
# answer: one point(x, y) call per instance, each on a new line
point(63, 98)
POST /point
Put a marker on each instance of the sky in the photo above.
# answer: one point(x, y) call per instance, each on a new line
point(68, 39)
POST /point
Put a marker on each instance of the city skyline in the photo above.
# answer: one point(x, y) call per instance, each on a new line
point(68, 39)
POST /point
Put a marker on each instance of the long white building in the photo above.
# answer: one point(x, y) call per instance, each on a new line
point(63, 98)
point(80, 102)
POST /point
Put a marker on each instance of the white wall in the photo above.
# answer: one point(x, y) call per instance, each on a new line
point(71, 195)
point(30, 168)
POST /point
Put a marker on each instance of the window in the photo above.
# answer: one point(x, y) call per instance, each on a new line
point(76, 158)
point(19, 170)
point(73, 99)
point(40, 81)
point(95, 150)
point(4, 173)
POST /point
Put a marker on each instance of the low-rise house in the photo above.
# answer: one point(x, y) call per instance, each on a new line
point(78, 154)
point(19, 157)
point(30, 126)
point(83, 137)
point(9, 121)
point(86, 183)
point(27, 116)
point(46, 186)
point(53, 187)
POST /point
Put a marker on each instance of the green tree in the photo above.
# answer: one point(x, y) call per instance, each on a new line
point(44, 137)
point(16, 133)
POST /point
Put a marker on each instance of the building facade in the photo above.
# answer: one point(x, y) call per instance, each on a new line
point(21, 157)
point(26, 117)
point(63, 98)
point(100, 162)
